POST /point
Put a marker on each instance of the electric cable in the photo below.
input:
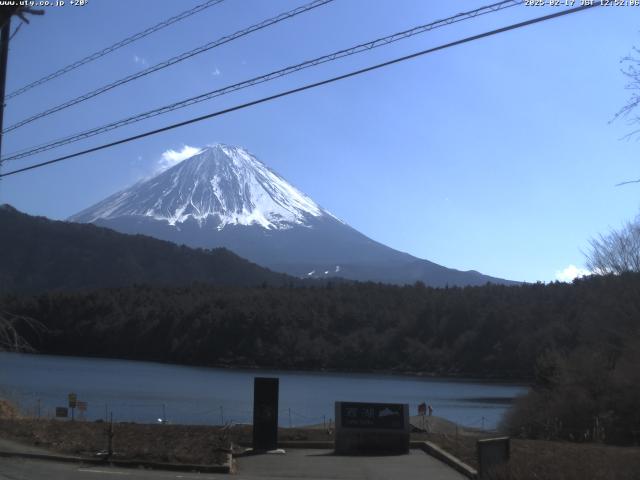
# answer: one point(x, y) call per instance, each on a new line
point(101, 53)
point(167, 63)
point(305, 87)
point(262, 79)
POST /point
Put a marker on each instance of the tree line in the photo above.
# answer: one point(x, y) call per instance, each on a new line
point(578, 344)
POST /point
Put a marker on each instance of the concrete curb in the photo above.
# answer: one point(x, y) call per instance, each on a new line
point(306, 444)
point(446, 457)
point(427, 447)
point(226, 467)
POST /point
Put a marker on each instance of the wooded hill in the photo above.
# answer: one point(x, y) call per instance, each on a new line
point(494, 330)
point(38, 254)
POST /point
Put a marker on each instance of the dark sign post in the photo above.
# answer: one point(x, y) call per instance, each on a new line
point(492, 452)
point(265, 413)
point(62, 412)
point(372, 428)
point(73, 400)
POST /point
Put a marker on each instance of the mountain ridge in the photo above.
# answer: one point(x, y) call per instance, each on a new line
point(224, 196)
point(38, 254)
point(218, 181)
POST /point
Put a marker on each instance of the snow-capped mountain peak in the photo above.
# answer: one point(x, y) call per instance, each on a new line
point(221, 184)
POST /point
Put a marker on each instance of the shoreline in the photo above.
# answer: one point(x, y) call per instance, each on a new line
point(452, 377)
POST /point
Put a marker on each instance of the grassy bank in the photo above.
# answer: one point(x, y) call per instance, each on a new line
point(540, 459)
point(8, 410)
point(202, 445)
point(193, 444)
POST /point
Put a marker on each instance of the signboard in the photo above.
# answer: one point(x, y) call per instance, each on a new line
point(73, 400)
point(62, 412)
point(265, 413)
point(82, 406)
point(492, 452)
point(372, 428)
point(372, 415)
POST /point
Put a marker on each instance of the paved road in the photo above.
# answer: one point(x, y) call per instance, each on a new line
point(295, 464)
point(21, 469)
point(322, 464)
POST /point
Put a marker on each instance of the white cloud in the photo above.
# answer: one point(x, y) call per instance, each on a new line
point(173, 157)
point(570, 273)
point(140, 60)
point(216, 72)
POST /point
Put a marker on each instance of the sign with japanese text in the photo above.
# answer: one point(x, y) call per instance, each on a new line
point(372, 415)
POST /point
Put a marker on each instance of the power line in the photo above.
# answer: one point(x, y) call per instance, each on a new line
point(264, 78)
point(15, 32)
point(305, 87)
point(101, 53)
point(171, 61)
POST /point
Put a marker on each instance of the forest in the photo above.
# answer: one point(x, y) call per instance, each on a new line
point(492, 330)
point(577, 344)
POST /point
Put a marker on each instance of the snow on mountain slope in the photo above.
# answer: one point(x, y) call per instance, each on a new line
point(221, 183)
point(224, 197)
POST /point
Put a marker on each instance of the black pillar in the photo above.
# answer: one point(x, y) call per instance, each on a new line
point(265, 413)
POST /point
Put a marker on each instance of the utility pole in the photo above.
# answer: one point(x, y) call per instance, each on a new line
point(20, 11)
point(4, 55)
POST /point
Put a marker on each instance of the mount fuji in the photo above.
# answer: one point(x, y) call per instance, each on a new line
point(224, 196)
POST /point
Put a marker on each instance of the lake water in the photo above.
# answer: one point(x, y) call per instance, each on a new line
point(145, 392)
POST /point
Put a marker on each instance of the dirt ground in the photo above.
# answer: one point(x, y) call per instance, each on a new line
point(546, 460)
point(187, 444)
point(201, 445)
point(7, 410)
point(209, 445)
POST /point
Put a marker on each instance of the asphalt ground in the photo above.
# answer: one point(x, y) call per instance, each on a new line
point(295, 464)
point(24, 469)
point(323, 464)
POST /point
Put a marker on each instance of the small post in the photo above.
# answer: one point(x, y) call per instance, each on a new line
point(39, 409)
point(289, 417)
point(493, 452)
point(221, 415)
point(164, 413)
point(482, 423)
point(324, 421)
point(110, 437)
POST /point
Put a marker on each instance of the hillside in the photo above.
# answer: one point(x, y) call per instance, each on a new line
point(37, 254)
point(493, 330)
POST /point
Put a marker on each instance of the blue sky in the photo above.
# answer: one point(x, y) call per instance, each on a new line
point(497, 155)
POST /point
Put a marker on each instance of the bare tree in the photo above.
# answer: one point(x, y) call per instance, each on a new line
point(616, 252)
point(631, 70)
point(10, 338)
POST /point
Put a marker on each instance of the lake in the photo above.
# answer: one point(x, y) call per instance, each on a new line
point(144, 392)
